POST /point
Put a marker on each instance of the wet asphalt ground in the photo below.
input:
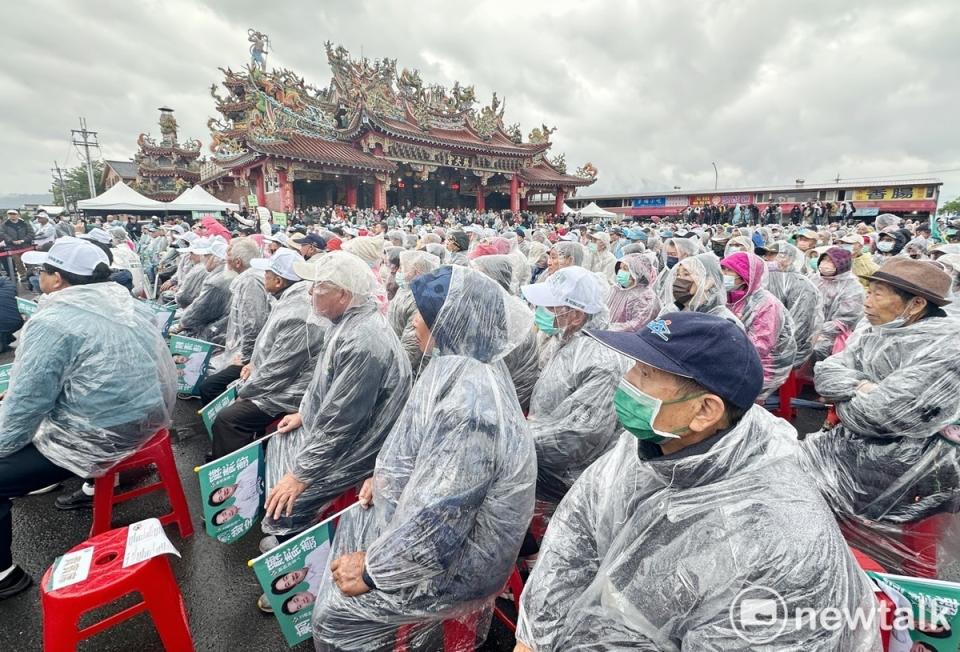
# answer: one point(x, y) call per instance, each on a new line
point(219, 590)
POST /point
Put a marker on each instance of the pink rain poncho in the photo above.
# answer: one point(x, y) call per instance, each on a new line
point(768, 324)
point(631, 308)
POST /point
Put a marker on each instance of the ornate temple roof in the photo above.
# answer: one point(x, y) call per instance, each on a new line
point(372, 118)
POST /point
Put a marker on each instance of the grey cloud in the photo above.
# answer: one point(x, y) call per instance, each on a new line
point(650, 92)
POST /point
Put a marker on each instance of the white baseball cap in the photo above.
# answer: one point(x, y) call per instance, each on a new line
point(200, 246)
point(98, 235)
point(570, 237)
point(279, 237)
point(218, 248)
point(574, 287)
point(72, 255)
point(280, 263)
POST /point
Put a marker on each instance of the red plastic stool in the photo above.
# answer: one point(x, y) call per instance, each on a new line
point(157, 451)
point(788, 391)
point(341, 502)
point(107, 582)
point(459, 635)
point(515, 584)
point(922, 538)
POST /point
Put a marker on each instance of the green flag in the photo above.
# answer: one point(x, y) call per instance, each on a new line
point(231, 491)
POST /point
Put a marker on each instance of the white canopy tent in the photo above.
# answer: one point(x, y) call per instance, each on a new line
point(566, 209)
point(121, 197)
point(591, 210)
point(198, 199)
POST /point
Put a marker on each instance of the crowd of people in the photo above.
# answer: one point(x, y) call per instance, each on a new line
point(585, 398)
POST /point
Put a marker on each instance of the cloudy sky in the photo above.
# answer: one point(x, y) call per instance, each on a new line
point(649, 91)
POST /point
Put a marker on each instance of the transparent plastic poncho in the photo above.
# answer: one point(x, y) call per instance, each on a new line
point(768, 324)
point(800, 296)
point(91, 382)
point(650, 552)
point(631, 308)
point(190, 285)
point(249, 309)
point(357, 390)
point(843, 298)
point(402, 307)
point(285, 354)
point(206, 317)
point(708, 295)
point(893, 460)
point(572, 417)
point(453, 488)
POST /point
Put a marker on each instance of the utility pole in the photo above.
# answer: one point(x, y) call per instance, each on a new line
point(63, 189)
point(87, 139)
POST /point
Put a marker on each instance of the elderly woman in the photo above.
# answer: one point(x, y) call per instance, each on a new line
point(632, 302)
point(798, 294)
point(842, 300)
point(768, 324)
point(696, 285)
point(894, 457)
point(453, 489)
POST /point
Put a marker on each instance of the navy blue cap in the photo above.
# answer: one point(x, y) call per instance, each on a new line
point(710, 350)
point(430, 291)
point(313, 239)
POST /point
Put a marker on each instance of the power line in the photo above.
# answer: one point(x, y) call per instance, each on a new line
point(59, 179)
point(903, 174)
point(87, 140)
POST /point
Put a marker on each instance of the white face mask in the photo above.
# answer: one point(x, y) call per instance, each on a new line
point(729, 283)
point(885, 246)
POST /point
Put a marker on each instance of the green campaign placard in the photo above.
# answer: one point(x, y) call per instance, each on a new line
point(26, 307)
point(210, 411)
point(290, 576)
point(280, 219)
point(162, 315)
point(926, 615)
point(192, 358)
point(5, 376)
point(251, 201)
point(231, 491)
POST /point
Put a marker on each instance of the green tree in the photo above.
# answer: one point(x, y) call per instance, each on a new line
point(952, 207)
point(75, 184)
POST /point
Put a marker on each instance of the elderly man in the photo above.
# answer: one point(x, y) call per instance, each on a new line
point(283, 359)
point(863, 265)
point(458, 243)
point(357, 391)
point(44, 232)
point(206, 316)
point(893, 458)
point(249, 308)
point(189, 285)
point(604, 262)
point(700, 508)
point(571, 411)
point(311, 245)
point(402, 308)
point(561, 255)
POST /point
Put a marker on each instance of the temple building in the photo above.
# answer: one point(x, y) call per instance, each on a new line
point(167, 168)
point(374, 138)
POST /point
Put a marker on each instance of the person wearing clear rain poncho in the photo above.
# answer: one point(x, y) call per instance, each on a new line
point(699, 508)
point(207, 315)
point(453, 490)
point(842, 300)
point(188, 289)
point(768, 324)
point(571, 414)
point(284, 357)
point(894, 457)
point(523, 362)
point(674, 251)
point(632, 301)
point(91, 382)
point(798, 294)
point(402, 307)
point(696, 285)
point(356, 393)
point(249, 309)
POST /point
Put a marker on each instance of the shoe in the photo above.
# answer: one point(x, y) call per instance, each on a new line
point(75, 500)
point(268, 543)
point(16, 582)
point(45, 490)
point(263, 605)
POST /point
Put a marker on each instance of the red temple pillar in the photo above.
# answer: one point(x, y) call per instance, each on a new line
point(286, 191)
point(261, 188)
point(351, 185)
point(481, 198)
point(558, 204)
point(379, 195)
point(515, 193)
